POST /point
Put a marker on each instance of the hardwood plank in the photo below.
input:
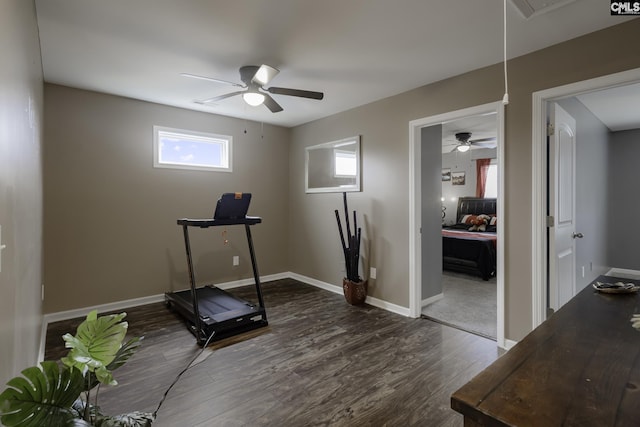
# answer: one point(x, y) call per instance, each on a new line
point(319, 362)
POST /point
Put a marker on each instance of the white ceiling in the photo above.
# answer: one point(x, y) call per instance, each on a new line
point(355, 51)
point(618, 108)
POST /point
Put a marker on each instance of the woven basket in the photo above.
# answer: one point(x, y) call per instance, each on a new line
point(354, 292)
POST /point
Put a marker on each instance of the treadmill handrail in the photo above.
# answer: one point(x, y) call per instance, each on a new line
point(204, 223)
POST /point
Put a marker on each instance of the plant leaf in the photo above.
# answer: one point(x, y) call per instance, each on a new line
point(124, 354)
point(41, 397)
point(96, 344)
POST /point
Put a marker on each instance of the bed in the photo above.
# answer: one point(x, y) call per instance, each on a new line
point(471, 252)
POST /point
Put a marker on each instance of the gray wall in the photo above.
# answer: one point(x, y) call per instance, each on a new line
point(592, 196)
point(385, 134)
point(431, 239)
point(623, 189)
point(20, 187)
point(110, 231)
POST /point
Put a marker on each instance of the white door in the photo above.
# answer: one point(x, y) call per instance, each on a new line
point(562, 235)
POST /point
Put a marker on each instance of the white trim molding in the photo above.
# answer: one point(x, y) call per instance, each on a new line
point(539, 177)
point(415, 198)
point(431, 300)
point(403, 311)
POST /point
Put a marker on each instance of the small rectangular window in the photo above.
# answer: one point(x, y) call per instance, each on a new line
point(185, 149)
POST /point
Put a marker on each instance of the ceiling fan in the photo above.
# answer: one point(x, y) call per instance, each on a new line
point(254, 93)
point(465, 142)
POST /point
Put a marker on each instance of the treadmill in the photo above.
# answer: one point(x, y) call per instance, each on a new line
point(209, 310)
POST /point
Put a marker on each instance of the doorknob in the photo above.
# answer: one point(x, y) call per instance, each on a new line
point(578, 235)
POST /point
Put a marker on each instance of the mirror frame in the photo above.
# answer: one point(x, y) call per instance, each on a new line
point(334, 144)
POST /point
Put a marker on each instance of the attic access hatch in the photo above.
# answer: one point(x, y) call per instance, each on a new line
point(529, 8)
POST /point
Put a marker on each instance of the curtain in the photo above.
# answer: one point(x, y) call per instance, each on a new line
point(482, 167)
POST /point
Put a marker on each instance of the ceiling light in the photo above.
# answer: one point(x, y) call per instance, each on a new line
point(253, 98)
point(264, 74)
point(463, 148)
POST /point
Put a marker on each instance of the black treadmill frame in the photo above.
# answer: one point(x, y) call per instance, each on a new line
point(189, 308)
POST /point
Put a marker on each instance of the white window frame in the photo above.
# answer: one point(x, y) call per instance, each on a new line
point(197, 137)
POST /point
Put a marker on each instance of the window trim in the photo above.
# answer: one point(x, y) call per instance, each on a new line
point(226, 139)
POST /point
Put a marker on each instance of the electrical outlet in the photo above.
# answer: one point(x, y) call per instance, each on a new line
point(236, 260)
point(372, 273)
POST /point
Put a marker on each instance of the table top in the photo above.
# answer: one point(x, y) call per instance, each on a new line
point(581, 367)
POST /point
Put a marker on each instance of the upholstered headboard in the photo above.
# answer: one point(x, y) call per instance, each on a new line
point(476, 206)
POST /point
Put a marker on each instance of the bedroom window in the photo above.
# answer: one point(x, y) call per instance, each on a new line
point(185, 149)
point(491, 186)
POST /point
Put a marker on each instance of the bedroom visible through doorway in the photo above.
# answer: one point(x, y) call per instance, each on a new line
point(469, 188)
point(469, 283)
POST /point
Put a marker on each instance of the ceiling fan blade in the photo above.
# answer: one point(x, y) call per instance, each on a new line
point(265, 74)
point(295, 92)
point(211, 79)
point(485, 144)
point(220, 97)
point(474, 141)
point(271, 104)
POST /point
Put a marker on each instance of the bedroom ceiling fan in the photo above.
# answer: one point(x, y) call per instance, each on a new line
point(254, 93)
point(465, 142)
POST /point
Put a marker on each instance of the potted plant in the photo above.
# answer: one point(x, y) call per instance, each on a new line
point(354, 288)
point(65, 392)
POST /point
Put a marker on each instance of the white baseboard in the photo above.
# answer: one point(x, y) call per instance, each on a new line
point(404, 311)
point(623, 273)
point(432, 299)
point(508, 344)
point(121, 305)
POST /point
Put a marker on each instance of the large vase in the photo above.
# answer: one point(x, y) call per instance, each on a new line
point(354, 292)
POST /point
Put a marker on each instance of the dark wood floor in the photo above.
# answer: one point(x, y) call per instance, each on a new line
point(320, 362)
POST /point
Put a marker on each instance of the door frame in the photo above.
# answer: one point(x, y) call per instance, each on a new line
point(539, 167)
point(415, 202)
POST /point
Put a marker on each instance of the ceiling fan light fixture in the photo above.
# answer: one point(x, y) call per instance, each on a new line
point(463, 148)
point(253, 98)
point(264, 74)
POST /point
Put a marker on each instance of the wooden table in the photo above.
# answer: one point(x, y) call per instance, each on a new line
point(581, 367)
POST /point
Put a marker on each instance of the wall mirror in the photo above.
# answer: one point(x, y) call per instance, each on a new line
point(333, 166)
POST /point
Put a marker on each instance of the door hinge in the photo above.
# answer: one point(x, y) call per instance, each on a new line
point(550, 129)
point(550, 221)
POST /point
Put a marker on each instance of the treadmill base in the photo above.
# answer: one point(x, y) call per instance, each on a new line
point(220, 313)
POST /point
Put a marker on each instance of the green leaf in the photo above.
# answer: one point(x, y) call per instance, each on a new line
point(41, 397)
point(124, 354)
point(96, 344)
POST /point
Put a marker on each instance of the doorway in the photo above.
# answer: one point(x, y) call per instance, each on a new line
point(419, 228)
point(467, 293)
point(541, 271)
